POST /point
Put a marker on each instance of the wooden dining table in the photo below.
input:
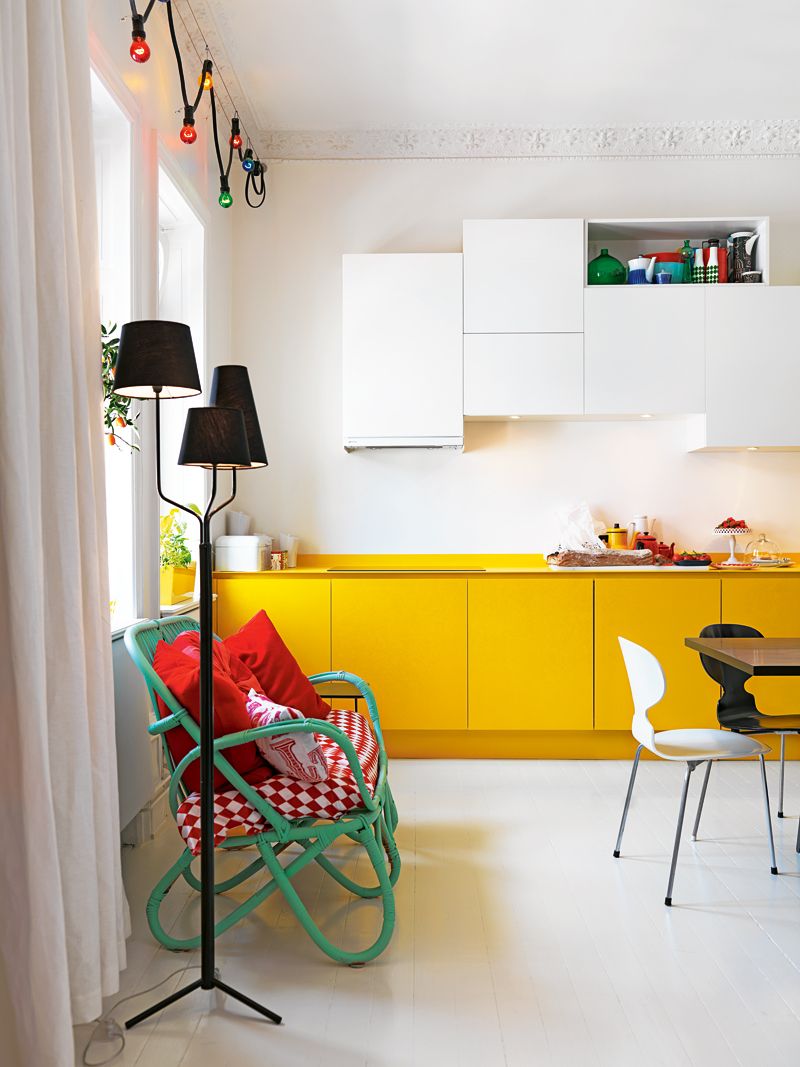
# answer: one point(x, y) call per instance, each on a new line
point(761, 657)
point(758, 656)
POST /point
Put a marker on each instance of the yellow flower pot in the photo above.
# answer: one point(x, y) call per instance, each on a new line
point(177, 584)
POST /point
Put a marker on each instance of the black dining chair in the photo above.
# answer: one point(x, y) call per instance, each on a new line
point(736, 708)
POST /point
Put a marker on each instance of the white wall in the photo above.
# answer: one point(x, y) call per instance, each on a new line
point(500, 495)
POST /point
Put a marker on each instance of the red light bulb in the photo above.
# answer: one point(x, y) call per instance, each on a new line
point(188, 134)
point(235, 141)
point(140, 50)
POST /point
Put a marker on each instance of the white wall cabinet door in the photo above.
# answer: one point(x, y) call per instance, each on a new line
point(523, 276)
point(753, 354)
point(644, 349)
point(523, 374)
point(402, 347)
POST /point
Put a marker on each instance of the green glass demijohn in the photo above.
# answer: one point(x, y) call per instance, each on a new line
point(605, 270)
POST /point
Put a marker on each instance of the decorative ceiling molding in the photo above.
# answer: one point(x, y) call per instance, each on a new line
point(756, 139)
point(209, 21)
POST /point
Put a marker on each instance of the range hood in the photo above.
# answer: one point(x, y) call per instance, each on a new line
point(352, 444)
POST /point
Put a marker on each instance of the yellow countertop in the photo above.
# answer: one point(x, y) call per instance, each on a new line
point(482, 566)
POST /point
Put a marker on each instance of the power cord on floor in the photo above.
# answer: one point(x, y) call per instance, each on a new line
point(108, 1029)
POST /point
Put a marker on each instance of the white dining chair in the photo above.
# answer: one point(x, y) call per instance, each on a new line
point(691, 746)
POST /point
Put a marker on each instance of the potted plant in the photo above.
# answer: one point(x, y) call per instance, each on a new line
point(177, 567)
point(116, 409)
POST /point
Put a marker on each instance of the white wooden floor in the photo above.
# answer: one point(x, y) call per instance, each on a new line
point(520, 940)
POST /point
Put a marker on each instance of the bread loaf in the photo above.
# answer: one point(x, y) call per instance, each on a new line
point(641, 557)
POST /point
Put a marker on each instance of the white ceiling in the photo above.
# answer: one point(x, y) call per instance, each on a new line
point(350, 65)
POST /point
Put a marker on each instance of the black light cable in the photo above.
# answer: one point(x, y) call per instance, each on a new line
point(255, 183)
point(140, 49)
point(257, 180)
point(225, 198)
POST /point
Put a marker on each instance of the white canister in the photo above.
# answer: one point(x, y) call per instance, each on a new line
point(289, 544)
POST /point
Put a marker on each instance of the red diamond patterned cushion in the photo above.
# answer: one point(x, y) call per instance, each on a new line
point(292, 798)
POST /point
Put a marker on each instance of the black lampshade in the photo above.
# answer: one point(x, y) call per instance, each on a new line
point(230, 388)
point(214, 437)
point(156, 359)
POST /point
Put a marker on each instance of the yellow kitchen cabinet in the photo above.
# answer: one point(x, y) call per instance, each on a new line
point(659, 612)
point(530, 654)
point(408, 638)
point(299, 608)
point(772, 605)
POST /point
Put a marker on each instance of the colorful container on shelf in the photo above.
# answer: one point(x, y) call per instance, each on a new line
point(743, 253)
point(669, 263)
point(641, 270)
point(698, 267)
point(605, 270)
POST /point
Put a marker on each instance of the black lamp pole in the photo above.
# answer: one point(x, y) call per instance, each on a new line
point(156, 360)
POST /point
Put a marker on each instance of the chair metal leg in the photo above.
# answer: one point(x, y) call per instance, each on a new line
point(678, 830)
point(701, 801)
point(774, 867)
point(627, 801)
point(780, 780)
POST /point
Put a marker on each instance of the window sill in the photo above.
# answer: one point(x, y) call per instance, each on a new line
point(119, 631)
point(169, 611)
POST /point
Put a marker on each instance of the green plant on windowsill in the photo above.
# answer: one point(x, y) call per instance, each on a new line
point(175, 557)
point(116, 409)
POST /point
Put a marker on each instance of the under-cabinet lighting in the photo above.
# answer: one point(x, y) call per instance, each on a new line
point(645, 416)
point(752, 448)
point(515, 416)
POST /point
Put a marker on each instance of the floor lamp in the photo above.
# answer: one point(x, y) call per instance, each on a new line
point(156, 361)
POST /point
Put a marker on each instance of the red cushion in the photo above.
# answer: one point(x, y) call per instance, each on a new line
point(225, 661)
point(181, 674)
point(260, 647)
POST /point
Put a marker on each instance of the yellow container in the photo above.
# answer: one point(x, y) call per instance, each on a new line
point(617, 536)
point(176, 584)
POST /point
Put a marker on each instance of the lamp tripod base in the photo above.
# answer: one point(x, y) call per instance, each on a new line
point(215, 983)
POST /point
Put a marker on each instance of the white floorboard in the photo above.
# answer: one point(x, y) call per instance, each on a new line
point(520, 940)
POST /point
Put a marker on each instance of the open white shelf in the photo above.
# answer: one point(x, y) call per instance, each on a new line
point(626, 238)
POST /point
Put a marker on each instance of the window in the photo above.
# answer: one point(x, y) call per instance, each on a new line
point(181, 281)
point(112, 146)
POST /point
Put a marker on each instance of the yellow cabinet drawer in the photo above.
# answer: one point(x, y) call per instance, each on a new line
point(772, 605)
point(299, 608)
point(408, 638)
point(658, 613)
point(530, 654)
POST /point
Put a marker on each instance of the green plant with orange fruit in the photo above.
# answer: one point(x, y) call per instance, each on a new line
point(116, 409)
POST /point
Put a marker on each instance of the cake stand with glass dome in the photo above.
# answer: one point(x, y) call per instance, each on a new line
point(731, 532)
point(765, 553)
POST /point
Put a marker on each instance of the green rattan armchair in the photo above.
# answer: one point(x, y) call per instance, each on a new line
point(371, 824)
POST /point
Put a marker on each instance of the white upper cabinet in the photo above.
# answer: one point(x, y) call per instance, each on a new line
point(402, 348)
point(526, 374)
point(644, 349)
point(523, 276)
point(753, 356)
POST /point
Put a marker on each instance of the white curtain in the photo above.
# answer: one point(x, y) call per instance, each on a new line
point(62, 905)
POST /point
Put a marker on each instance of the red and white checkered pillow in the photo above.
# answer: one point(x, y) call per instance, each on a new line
point(297, 755)
point(293, 799)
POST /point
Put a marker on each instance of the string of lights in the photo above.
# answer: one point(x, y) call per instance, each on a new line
point(255, 188)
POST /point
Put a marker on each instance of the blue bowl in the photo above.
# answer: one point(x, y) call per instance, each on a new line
point(675, 270)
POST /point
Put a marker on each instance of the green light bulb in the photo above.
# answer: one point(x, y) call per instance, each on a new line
point(225, 198)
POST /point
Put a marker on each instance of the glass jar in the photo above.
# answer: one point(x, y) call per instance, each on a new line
point(762, 550)
point(605, 270)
